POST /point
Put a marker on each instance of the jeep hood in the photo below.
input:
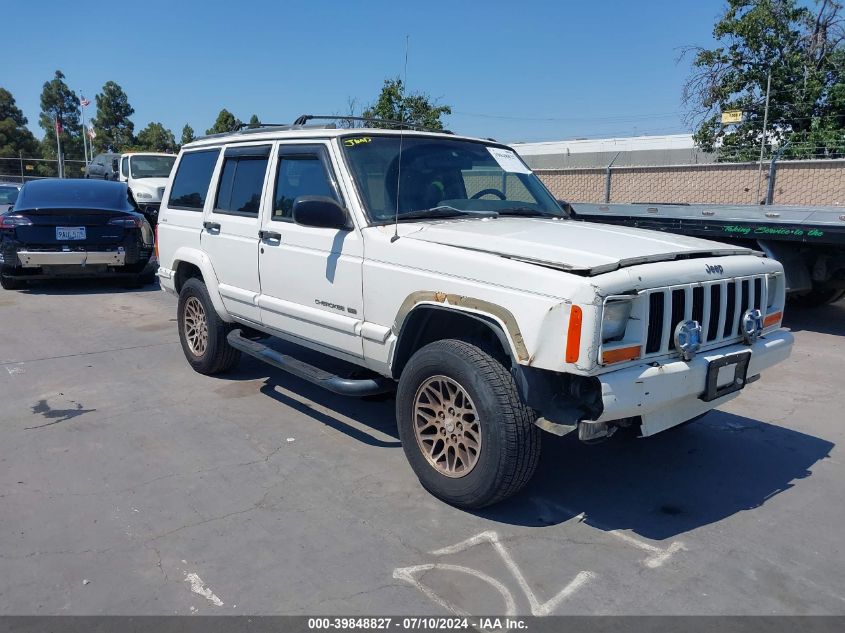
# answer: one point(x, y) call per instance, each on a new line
point(570, 245)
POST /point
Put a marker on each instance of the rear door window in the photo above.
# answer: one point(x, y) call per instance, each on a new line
point(242, 180)
point(193, 177)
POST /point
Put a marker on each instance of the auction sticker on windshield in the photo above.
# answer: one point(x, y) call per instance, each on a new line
point(508, 160)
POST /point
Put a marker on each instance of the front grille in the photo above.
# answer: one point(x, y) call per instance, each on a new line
point(717, 305)
point(656, 302)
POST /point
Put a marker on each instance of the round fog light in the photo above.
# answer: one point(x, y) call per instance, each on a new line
point(752, 325)
point(688, 339)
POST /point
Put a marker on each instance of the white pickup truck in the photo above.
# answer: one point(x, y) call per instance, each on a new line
point(146, 174)
point(443, 269)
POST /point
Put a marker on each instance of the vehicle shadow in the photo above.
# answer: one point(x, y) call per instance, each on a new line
point(368, 420)
point(91, 286)
point(826, 319)
point(657, 487)
point(666, 485)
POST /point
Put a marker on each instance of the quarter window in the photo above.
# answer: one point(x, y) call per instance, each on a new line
point(190, 186)
point(299, 175)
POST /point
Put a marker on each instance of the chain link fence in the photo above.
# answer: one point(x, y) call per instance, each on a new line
point(22, 169)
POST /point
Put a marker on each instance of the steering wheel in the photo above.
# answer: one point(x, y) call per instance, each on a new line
point(490, 191)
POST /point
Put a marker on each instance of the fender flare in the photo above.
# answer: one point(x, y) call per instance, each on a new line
point(479, 309)
point(200, 260)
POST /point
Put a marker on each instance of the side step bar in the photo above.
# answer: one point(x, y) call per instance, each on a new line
point(315, 375)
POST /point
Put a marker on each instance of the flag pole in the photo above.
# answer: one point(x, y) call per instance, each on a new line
point(59, 150)
point(84, 141)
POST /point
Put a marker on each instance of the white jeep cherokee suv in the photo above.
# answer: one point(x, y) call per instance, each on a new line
point(444, 268)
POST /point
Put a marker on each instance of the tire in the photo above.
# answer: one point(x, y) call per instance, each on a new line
point(509, 446)
point(11, 283)
point(146, 279)
point(215, 356)
point(817, 297)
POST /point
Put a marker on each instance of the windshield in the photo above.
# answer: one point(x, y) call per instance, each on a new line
point(442, 178)
point(8, 195)
point(151, 166)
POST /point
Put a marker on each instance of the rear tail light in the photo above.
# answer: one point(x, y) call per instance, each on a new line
point(127, 221)
point(11, 221)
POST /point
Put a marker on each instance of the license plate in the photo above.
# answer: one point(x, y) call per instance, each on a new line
point(70, 232)
point(726, 375)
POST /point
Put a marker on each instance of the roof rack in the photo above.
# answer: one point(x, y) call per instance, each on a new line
point(244, 128)
point(302, 123)
point(339, 117)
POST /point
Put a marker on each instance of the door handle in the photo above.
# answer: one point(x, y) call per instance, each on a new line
point(270, 235)
point(211, 226)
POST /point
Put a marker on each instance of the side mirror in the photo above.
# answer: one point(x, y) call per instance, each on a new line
point(321, 212)
point(115, 166)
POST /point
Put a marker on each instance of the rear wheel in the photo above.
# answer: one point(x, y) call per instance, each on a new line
point(202, 332)
point(146, 279)
point(11, 283)
point(469, 438)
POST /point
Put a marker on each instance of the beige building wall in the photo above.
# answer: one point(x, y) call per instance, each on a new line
point(811, 182)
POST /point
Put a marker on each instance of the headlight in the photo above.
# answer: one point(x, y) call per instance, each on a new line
point(615, 320)
point(142, 195)
point(772, 290)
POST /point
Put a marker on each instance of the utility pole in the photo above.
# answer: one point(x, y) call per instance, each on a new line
point(763, 136)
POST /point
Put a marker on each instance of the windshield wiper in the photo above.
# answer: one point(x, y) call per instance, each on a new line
point(526, 211)
point(444, 211)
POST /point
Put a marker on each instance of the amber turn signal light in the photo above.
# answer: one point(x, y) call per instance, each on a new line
point(772, 319)
point(573, 336)
point(621, 354)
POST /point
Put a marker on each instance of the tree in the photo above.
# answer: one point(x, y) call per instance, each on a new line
point(254, 122)
point(115, 131)
point(416, 108)
point(15, 137)
point(804, 52)
point(187, 134)
point(60, 103)
point(156, 138)
point(226, 122)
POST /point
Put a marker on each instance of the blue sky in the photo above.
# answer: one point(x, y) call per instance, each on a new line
point(597, 69)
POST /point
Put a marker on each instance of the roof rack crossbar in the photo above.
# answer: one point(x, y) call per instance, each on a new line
point(340, 117)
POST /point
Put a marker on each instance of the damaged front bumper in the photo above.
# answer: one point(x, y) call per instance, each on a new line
point(663, 395)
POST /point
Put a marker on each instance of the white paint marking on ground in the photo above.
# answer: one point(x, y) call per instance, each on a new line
point(200, 588)
point(537, 608)
point(659, 555)
point(408, 575)
point(15, 370)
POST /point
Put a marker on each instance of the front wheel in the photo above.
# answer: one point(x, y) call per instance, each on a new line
point(469, 438)
point(202, 332)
